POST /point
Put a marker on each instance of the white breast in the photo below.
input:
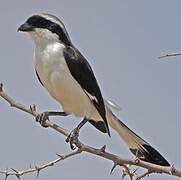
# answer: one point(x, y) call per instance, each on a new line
point(57, 79)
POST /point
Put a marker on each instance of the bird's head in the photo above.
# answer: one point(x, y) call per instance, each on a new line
point(45, 28)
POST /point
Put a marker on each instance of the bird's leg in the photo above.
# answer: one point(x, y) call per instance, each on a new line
point(72, 137)
point(43, 117)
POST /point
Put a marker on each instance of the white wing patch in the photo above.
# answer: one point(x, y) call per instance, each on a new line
point(93, 98)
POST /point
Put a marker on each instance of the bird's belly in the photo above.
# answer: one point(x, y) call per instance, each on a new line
point(65, 90)
point(71, 96)
point(57, 79)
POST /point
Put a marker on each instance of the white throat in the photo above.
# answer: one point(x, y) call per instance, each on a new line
point(43, 37)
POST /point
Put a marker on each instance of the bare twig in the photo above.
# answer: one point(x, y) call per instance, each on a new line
point(170, 55)
point(117, 160)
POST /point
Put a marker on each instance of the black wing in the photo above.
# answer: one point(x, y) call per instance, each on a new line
point(82, 72)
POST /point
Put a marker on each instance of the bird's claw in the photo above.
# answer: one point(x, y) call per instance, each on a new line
point(72, 138)
point(42, 118)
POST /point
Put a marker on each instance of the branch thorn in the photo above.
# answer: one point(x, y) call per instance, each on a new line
point(16, 171)
point(60, 156)
point(6, 176)
point(33, 108)
point(103, 148)
point(38, 173)
point(1, 87)
point(112, 169)
point(30, 166)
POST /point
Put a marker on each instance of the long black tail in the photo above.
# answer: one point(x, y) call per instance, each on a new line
point(139, 147)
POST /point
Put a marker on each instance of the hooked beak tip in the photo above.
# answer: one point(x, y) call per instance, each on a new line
point(25, 28)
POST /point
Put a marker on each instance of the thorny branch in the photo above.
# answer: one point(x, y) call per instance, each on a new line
point(117, 160)
point(37, 168)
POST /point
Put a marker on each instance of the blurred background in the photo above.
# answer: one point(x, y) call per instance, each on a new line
point(122, 40)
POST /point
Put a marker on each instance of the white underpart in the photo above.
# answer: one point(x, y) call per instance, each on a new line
point(58, 81)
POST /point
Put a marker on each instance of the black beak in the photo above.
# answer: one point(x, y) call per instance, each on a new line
point(25, 27)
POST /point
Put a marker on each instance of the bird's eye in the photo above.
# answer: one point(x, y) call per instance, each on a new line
point(53, 26)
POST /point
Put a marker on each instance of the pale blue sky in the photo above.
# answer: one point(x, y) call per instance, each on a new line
point(122, 40)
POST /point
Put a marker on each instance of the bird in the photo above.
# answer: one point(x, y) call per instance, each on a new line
point(68, 77)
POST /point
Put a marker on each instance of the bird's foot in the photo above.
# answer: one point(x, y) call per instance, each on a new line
point(72, 138)
point(42, 118)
